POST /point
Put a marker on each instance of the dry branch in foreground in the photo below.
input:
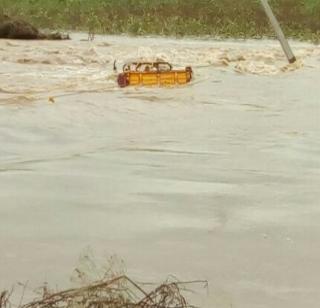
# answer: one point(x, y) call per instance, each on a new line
point(115, 293)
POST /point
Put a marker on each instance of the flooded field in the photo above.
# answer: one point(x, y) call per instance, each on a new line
point(217, 180)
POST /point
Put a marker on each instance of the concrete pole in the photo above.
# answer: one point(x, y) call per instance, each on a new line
point(275, 24)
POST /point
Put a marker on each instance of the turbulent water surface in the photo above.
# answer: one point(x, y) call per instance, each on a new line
point(216, 180)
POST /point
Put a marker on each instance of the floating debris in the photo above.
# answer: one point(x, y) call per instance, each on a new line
point(51, 99)
point(118, 292)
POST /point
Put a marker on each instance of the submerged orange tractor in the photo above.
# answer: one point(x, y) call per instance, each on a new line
point(158, 73)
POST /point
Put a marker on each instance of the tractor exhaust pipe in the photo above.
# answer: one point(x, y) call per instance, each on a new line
point(115, 69)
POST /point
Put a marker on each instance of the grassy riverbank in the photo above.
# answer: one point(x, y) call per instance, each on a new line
point(223, 18)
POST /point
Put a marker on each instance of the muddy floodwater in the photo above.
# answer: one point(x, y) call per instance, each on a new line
point(216, 180)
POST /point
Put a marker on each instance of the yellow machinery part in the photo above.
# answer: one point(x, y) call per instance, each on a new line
point(156, 78)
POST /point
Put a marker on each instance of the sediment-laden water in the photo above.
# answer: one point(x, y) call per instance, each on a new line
point(216, 180)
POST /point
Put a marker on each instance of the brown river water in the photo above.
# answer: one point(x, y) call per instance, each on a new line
point(216, 180)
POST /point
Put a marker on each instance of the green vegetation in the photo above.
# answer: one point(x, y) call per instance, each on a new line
point(223, 18)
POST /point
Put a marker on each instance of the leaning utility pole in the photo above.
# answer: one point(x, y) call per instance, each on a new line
point(275, 24)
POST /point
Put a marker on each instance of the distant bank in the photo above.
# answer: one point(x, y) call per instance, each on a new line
point(220, 18)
